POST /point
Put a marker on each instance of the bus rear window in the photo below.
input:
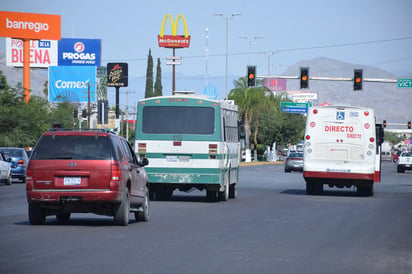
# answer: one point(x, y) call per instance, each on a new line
point(178, 120)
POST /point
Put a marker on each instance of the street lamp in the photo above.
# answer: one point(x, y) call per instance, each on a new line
point(250, 40)
point(227, 43)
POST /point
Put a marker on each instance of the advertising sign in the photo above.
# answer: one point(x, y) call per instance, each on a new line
point(174, 40)
point(30, 25)
point(275, 84)
point(79, 52)
point(43, 53)
point(117, 74)
point(71, 83)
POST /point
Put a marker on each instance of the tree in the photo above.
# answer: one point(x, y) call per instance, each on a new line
point(149, 76)
point(251, 101)
point(158, 84)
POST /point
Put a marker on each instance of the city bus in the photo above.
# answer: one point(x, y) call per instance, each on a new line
point(192, 142)
point(342, 149)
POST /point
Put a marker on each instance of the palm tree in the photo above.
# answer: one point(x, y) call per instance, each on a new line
point(251, 101)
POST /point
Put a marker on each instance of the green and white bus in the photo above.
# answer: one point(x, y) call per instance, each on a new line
point(191, 142)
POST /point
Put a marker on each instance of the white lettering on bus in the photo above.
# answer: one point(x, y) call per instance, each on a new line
point(37, 27)
point(339, 128)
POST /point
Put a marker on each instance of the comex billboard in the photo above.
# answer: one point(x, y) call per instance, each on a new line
point(71, 84)
point(79, 52)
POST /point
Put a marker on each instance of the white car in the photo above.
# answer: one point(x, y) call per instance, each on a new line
point(5, 170)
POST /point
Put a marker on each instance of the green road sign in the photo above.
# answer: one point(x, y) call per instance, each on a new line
point(404, 83)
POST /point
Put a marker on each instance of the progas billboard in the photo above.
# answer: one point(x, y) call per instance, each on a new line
point(71, 83)
point(79, 52)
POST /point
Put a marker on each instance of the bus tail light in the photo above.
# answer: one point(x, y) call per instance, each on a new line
point(371, 139)
point(141, 148)
point(307, 137)
point(212, 151)
point(315, 111)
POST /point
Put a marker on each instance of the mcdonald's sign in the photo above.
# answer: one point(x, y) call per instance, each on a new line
point(174, 40)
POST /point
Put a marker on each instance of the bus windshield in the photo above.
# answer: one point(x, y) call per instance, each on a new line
point(178, 120)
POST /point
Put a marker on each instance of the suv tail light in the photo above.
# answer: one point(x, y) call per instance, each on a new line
point(116, 173)
point(20, 162)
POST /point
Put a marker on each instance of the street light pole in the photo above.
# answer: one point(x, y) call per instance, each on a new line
point(227, 42)
point(250, 40)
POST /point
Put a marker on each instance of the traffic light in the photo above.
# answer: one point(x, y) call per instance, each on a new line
point(251, 76)
point(304, 77)
point(84, 113)
point(75, 113)
point(384, 123)
point(357, 79)
point(409, 124)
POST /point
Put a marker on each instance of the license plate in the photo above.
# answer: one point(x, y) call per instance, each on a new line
point(407, 165)
point(72, 181)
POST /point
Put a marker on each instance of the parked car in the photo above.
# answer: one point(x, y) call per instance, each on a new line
point(18, 161)
point(386, 156)
point(90, 171)
point(294, 161)
point(5, 170)
point(404, 162)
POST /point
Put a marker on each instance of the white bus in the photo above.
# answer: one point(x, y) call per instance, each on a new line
point(192, 143)
point(342, 149)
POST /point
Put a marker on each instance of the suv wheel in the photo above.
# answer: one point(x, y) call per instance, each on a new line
point(143, 215)
point(36, 214)
point(121, 215)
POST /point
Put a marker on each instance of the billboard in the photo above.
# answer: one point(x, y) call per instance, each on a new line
point(30, 25)
point(174, 40)
point(43, 53)
point(79, 52)
point(117, 74)
point(275, 84)
point(70, 84)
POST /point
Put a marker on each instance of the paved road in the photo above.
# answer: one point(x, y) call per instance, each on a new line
point(272, 227)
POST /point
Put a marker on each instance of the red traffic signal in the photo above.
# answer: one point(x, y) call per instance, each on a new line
point(251, 76)
point(304, 78)
point(409, 124)
point(384, 123)
point(357, 79)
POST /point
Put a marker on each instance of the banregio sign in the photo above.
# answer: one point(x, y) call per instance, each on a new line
point(117, 74)
point(71, 84)
point(79, 52)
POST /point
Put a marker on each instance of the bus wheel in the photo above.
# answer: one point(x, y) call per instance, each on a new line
point(211, 195)
point(365, 190)
point(233, 191)
point(314, 188)
point(224, 195)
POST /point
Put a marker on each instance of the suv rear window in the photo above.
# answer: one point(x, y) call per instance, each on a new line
point(73, 147)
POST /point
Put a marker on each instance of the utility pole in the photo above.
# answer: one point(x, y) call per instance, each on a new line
point(88, 106)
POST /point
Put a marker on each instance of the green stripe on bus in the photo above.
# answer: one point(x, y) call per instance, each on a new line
point(184, 175)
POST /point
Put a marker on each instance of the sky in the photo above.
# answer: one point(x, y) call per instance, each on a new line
point(366, 32)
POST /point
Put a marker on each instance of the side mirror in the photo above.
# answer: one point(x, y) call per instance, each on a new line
point(144, 162)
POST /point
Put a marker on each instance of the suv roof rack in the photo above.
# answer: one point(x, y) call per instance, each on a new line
point(84, 129)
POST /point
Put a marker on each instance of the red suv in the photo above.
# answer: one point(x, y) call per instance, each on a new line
point(93, 171)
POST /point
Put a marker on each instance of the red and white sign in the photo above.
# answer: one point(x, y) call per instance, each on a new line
point(43, 53)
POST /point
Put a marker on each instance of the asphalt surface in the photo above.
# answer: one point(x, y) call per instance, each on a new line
point(272, 227)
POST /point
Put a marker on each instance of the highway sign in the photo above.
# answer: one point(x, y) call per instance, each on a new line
point(292, 107)
point(404, 83)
